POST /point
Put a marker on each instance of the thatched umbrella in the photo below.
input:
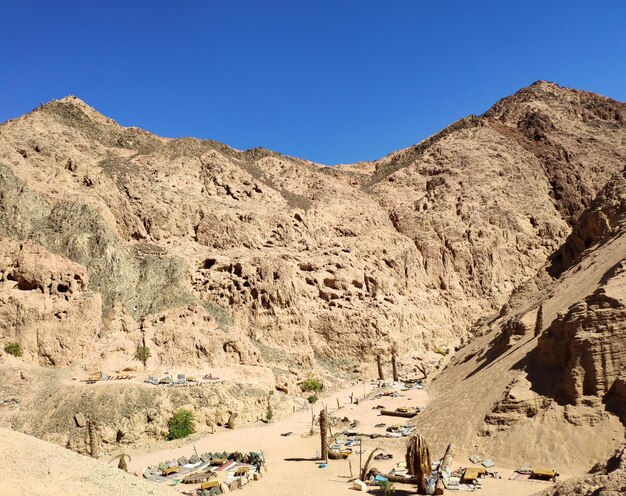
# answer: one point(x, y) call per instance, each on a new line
point(418, 460)
point(323, 435)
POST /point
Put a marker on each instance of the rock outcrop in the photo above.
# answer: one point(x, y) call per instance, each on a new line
point(584, 349)
point(45, 305)
point(555, 381)
point(608, 479)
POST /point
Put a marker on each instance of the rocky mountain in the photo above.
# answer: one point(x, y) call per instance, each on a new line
point(112, 236)
point(317, 261)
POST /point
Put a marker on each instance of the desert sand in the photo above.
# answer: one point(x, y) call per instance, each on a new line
point(291, 460)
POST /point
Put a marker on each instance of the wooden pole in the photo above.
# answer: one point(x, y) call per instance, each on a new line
point(394, 365)
point(360, 455)
point(93, 440)
point(446, 465)
point(323, 435)
point(381, 375)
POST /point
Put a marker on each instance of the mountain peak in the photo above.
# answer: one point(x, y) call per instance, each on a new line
point(73, 106)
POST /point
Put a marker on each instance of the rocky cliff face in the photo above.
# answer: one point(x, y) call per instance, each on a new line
point(330, 262)
point(554, 382)
point(583, 351)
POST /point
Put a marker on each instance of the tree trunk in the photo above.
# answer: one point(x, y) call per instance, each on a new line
point(365, 469)
point(422, 369)
point(392, 478)
point(93, 440)
point(122, 465)
point(394, 366)
point(381, 375)
point(446, 465)
point(418, 461)
point(323, 435)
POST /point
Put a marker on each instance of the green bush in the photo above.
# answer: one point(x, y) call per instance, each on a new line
point(142, 354)
point(181, 425)
point(312, 384)
point(14, 349)
point(387, 488)
point(441, 351)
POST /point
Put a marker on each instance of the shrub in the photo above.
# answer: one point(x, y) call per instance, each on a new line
point(312, 384)
point(14, 349)
point(181, 425)
point(142, 354)
point(441, 351)
point(387, 487)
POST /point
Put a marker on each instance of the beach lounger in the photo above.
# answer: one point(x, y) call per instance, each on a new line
point(171, 470)
point(472, 473)
point(209, 485)
point(544, 474)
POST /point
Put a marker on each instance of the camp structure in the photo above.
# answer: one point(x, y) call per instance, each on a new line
point(198, 478)
point(97, 376)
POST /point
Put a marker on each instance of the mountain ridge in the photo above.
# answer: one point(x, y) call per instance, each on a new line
point(243, 259)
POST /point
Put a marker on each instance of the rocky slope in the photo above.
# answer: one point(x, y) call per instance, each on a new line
point(219, 257)
point(330, 262)
point(128, 413)
point(607, 479)
point(550, 391)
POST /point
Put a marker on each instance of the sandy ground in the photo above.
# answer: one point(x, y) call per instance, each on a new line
point(32, 467)
point(292, 467)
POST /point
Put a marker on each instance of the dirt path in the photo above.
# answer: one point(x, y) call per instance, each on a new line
point(292, 468)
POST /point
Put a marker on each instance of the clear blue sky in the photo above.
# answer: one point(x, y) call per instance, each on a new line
point(331, 81)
